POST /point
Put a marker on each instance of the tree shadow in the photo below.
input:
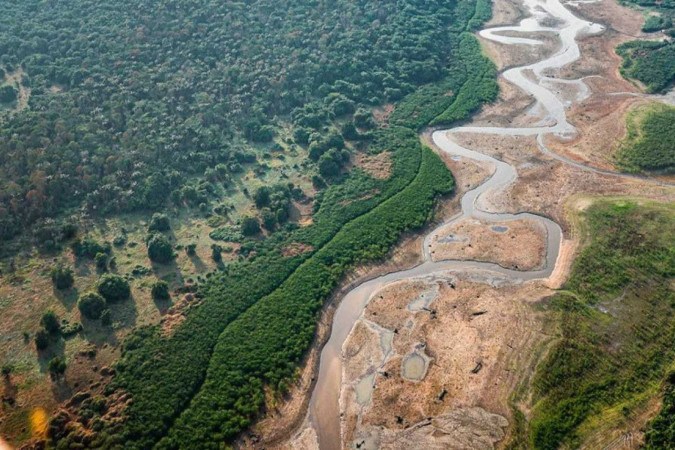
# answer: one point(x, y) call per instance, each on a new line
point(68, 297)
point(56, 348)
point(198, 263)
point(123, 314)
point(163, 306)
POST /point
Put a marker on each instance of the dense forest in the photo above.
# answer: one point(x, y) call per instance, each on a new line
point(133, 104)
point(136, 106)
point(652, 62)
point(616, 322)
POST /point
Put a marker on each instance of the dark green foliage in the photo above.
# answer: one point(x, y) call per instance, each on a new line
point(657, 23)
point(7, 370)
point(160, 249)
point(62, 277)
point(160, 290)
point(226, 233)
point(101, 261)
point(113, 287)
point(191, 249)
point(91, 305)
point(146, 107)
point(250, 226)
point(50, 322)
point(661, 431)
point(604, 360)
point(8, 94)
point(89, 248)
point(159, 222)
point(70, 329)
point(106, 319)
point(57, 367)
point(42, 340)
point(650, 62)
point(217, 253)
point(650, 144)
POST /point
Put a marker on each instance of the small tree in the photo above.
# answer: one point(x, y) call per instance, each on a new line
point(159, 222)
point(91, 305)
point(217, 253)
point(159, 249)
point(41, 340)
point(7, 370)
point(57, 367)
point(160, 290)
point(50, 322)
point(250, 226)
point(191, 249)
point(8, 94)
point(113, 287)
point(62, 277)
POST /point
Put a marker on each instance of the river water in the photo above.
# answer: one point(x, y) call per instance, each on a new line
point(324, 410)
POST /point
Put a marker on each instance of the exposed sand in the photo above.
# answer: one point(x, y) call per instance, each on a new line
point(519, 244)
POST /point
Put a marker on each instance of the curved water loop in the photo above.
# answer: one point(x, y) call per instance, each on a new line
point(324, 410)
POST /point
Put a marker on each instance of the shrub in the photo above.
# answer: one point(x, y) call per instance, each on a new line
point(50, 322)
point(113, 287)
point(89, 247)
point(62, 277)
point(217, 253)
point(57, 367)
point(159, 249)
point(41, 340)
point(159, 222)
point(160, 290)
point(250, 226)
point(8, 94)
point(91, 305)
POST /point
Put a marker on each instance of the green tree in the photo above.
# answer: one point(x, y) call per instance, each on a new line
point(42, 340)
point(113, 287)
point(250, 226)
point(8, 94)
point(50, 322)
point(159, 222)
point(160, 249)
point(160, 290)
point(57, 367)
point(91, 305)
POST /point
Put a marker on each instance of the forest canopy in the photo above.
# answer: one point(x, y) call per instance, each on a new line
point(132, 100)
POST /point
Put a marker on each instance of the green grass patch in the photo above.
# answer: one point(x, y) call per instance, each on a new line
point(616, 320)
point(650, 142)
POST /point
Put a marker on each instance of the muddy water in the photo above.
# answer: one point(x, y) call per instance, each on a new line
point(324, 410)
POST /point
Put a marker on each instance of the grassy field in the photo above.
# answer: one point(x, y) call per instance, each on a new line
point(615, 321)
point(650, 141)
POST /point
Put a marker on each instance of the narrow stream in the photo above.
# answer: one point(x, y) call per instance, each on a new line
point(324, 410)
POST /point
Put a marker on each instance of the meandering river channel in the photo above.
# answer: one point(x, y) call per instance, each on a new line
point(534, 79)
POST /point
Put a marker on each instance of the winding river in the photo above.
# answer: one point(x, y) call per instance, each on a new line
point(324, 410)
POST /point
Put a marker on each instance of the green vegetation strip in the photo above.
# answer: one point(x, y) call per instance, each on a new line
point(264, 345)
point(617, 326)
point(650, 143)
point(200, 384)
